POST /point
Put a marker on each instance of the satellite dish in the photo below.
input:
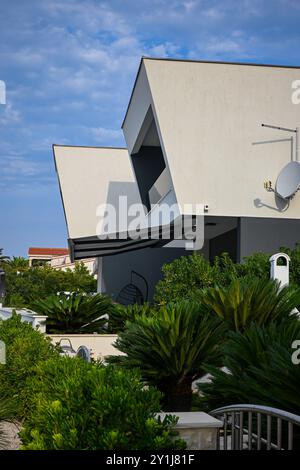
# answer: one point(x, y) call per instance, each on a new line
point(288, 180)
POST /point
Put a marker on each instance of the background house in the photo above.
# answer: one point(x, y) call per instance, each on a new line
point(59, 258)
point(38, 255)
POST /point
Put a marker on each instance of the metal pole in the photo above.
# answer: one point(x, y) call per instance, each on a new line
point(279, 128)
point(296, 131)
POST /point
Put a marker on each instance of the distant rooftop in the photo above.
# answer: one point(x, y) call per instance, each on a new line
point(47, 251)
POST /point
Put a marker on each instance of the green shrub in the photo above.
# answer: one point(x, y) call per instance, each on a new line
point(254, 266)
point(294, 254)
point(170, 348)
point(245, 301)
point(74, 313)
point(182, 277)
point(25, 348)
point(80, 406)
point(185, 277)
point(260, 369)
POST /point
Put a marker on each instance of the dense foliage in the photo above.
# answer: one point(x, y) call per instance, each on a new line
point(25, 284)
point(183, 277)
point(80, 406)
point(74, 313)
point(294, 264)
point(259, 369)
point(170, 348)
point(25, 348)
point(251, 300)
point(186, 276)
point(120, 314)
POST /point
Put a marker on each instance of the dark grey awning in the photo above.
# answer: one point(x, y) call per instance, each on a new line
point(92, 246)
point(89, 247)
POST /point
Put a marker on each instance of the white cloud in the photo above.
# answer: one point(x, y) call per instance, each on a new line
point(223, 45)
point(213, 13)
point(102, 134)
point(88, 15)
point(9, 115)
point(17, 165)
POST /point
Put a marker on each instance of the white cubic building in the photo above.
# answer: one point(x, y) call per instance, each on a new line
point(195, 141)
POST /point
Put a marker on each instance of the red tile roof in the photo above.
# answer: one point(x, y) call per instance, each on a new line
point(48, 251)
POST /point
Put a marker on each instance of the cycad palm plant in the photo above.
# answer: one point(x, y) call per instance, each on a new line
point(170, 348)
point(120, 314)
point(245, 301)
point(259, 369)
point(74, 313)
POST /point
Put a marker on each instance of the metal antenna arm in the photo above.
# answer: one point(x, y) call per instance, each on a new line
point(279, 128)
point(295, 131)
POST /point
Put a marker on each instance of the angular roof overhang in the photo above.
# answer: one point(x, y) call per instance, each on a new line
point(91, 177)
point(88, 178)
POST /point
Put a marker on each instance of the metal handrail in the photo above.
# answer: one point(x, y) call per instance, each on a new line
point(234, 426)
point(276, 412)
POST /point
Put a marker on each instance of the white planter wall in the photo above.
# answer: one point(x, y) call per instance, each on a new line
point(99, 345)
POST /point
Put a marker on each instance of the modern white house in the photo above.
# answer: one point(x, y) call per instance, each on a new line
point(216, 142)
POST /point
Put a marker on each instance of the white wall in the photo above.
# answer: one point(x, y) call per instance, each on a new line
point(90, 177)
point(100, 345)
point(209, 120)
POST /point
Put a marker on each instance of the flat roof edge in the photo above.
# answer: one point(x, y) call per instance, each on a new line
point(90, 146)
point(217, 62)
point(222, 62)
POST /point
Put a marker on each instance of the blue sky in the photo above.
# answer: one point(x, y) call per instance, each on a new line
point(69, 67)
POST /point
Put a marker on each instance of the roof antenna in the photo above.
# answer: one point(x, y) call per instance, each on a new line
point(295, 131)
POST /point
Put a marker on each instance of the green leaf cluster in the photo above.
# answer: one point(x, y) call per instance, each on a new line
point(75, 313)
point(259, 369)
point(81, 406)
point(26, 284)
point(170, 348)
point(25, 348)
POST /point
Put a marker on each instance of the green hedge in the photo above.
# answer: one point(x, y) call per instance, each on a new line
point(76, 405)
point(25, 348)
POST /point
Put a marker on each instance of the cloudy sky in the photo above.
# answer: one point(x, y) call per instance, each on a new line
point(69, 67)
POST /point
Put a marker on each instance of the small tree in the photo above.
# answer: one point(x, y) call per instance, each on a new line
point(183, 277)
point(26, 284)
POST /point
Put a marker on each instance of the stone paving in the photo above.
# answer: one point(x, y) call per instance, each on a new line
point(11, 432)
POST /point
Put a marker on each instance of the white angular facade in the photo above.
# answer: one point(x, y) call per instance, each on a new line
point(194, 137)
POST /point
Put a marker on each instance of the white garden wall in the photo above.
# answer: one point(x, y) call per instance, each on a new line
point(99, 345)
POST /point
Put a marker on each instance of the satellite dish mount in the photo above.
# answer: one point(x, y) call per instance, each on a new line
point(288, 181)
